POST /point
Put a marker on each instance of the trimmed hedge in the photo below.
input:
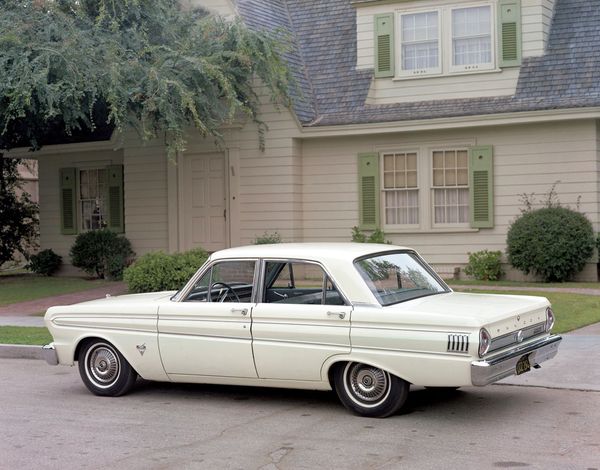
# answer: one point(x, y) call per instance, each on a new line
point(554, 243)
point(102, 253)
point(160, 271)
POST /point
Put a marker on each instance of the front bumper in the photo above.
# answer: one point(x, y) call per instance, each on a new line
point(49, 354)
point(485, 372)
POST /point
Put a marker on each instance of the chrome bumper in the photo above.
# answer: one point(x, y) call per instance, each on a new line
point(489, 371)
point(49, 354)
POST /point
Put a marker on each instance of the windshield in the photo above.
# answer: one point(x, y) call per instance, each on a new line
point(396, 277)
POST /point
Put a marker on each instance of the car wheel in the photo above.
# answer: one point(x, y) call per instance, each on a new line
point(369, 391)
point(104, 370)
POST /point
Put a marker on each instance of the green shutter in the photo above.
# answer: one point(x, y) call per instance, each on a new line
point(68, 201)
point(115, 198)
point(368, 191)
point(509, 33)
point(482, 186)
point(384, 45)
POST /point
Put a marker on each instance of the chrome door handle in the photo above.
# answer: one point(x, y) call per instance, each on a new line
point(340, 315)
point(243, 311)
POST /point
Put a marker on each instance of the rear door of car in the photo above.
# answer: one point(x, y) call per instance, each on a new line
point(210, 334)
point(300, 321)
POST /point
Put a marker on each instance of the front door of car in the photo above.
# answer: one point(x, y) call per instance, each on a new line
point(301, 321)
point(208, 333)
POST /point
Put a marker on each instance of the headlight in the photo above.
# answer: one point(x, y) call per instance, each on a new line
point(549, 319)
point(484, 342)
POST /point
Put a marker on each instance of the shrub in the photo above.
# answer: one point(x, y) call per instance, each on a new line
point(378, 236)
point(161, 271)
point(484, 265)
point(267, 239)
point(46, 263)
point(552, 242)
point(102, 253)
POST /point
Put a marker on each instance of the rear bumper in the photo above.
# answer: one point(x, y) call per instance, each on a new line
point(49, 354)
point(489, 371)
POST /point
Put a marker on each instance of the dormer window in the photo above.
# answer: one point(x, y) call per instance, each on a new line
point(411, 43)
point(472, 38)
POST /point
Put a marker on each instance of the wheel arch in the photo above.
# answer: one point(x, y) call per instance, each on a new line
point(332, 364)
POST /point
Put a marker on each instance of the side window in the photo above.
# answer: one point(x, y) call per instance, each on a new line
point(226, 281)
point(299, 283)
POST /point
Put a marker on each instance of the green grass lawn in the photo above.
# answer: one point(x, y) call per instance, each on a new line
point(576, 285)
point(32, 335)
point(24, 287)
point(572, 310)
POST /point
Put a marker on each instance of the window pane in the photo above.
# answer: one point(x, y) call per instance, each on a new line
point(419, 37)
point(438, 177)
point(388, 163)
point(411, 161)
point(450, 177)
point(388, 180)
point(471, 36)
point(411, 179)
point(438, 159)
point(462, 177)
point(462, 159)
point(401, 179)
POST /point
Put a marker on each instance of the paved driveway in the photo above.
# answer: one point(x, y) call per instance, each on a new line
point(49, 420)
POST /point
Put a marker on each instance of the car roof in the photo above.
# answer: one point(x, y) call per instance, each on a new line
point(309, 251)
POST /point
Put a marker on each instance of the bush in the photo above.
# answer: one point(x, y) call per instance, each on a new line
point(102, 253)
point(160, 271)
point(484, 265)
point(46, 263)
point(378, 236)
point(553, 242)
point(267, 239)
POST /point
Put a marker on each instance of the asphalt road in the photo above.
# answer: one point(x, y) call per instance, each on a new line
point(49, 420)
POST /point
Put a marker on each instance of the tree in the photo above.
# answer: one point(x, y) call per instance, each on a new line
point(18, 214)
point(72, 65)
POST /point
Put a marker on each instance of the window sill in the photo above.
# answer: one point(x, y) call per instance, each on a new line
point(395, 230)
point(401, 78)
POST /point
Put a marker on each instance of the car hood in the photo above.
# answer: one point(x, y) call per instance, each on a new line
point(503, 312)
point(130, 304)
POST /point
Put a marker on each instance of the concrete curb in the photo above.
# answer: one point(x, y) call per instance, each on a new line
point(20, 351)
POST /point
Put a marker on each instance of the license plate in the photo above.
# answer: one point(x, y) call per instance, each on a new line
point(523, 365)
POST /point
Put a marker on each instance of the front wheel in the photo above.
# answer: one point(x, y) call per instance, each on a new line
point(104, 370)
point(369, 391)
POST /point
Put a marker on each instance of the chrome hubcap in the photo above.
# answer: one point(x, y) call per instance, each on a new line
point(103, 365)
point(368, 384)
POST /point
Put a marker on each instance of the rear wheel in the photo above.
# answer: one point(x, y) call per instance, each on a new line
point(104, 370)
point(369, 391)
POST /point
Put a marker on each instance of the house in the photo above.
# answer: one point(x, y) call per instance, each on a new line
point(427, 118)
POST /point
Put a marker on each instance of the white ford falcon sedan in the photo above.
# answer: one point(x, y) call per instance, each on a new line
point(364, 320)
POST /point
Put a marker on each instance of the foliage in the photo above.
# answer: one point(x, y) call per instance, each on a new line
point(18, 213)
point(267, 239)
point(552, 242)
point(160, 271)
point(598, 245)
point(484, 265)
point(46, 263)
point(102, 253)
point(377, 236)
point(162, 67)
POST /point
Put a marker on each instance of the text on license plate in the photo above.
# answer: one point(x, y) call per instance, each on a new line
point(523, 365)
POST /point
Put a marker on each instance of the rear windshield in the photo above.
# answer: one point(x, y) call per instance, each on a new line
point(397, 277)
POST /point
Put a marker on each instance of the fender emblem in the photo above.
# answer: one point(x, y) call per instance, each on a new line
point(141, 348)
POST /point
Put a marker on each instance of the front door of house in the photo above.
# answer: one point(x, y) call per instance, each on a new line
point(204, 217)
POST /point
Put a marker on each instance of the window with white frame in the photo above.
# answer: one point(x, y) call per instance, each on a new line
point(446, 40)
point(420, 42)
point(472, 36)
point(400, 188)
point(450, 171)
point(92, 198)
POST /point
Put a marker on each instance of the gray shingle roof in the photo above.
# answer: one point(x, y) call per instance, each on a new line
point(323, 58)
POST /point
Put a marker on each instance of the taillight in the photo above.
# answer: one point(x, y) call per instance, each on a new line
point(484, 342)
point(549, 319)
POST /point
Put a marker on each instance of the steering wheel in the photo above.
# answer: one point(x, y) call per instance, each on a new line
point(228, 289)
